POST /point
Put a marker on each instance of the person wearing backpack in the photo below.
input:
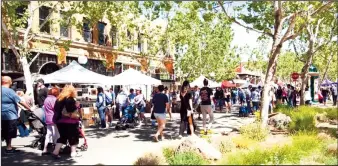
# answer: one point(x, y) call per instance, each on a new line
point(109, 101)
point(101, 106)
point(241, 96)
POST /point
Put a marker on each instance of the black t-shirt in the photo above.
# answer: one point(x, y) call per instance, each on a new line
point(325, 92)
point(185, 102)
point(160, 100)
point(205, 94)
point(42, 95)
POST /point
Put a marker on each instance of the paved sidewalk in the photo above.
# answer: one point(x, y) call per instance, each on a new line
point(111, 147)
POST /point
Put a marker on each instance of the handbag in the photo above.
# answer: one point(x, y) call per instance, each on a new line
point(73, 115)
point(152, 115)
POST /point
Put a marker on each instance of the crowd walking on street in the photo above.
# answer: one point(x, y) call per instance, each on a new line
point(63, 114)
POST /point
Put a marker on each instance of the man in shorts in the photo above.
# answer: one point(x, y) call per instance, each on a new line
point(9, 113)
point(160, 107)
point(206, 98)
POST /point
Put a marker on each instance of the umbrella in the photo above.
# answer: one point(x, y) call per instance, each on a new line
point(227, 84)
point(326, 82)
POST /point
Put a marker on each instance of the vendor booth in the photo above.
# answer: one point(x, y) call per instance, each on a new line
point(199, 82)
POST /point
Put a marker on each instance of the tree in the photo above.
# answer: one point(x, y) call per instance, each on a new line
point(19, 33)
point(319, 33)
point(136, 27)
point(326, 62)
point(281, 21)
point(202, 40)
point(287, 64)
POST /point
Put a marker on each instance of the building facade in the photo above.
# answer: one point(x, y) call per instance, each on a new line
point(96, 43)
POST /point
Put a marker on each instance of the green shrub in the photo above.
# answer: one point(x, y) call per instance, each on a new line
point(149, 159)
point(254, 131)
point(332, 113)
point(226, 146)
point(306, 142)
point(168, 154)
point(303, 119)
point(286, 154)
point(253, 157)
point(285, 109)
point(187, 158)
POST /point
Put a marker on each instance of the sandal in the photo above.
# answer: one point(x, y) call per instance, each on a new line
point(155, 138)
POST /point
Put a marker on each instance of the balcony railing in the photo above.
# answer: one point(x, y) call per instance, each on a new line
point(164, 76)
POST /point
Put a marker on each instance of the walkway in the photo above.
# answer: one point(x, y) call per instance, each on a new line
point(111, 147)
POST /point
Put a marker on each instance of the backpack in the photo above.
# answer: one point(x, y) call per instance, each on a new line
point(108, 99)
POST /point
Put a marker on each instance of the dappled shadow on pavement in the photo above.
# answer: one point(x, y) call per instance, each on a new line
point(30, 158)
point(145, 133)
point(98, 133)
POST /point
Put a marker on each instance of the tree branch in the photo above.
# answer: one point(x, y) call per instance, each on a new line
point(240, 24)
point(291, 27)
point(297, 54)
point(36, 56)
point(293, 36)
point(328, 41)
point(11, 42)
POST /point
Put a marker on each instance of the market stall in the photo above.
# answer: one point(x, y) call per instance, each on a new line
point(74, 73)
point(132, 78)
point(199, 82)
point(228, 84)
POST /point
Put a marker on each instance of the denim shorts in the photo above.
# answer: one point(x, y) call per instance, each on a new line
point(160, 116)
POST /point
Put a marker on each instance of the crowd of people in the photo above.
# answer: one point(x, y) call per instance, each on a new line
point(62, 111)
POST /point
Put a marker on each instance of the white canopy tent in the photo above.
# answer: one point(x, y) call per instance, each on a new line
point(239, 81)
point(75, 73)
point(247, 85)
point(199, 82)
point(132, 77)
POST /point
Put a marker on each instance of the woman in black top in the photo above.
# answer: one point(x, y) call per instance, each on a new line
point(67, 118)
point(227, 97)
point(186, 109)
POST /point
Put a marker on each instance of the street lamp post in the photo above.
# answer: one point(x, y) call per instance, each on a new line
point(313, 72)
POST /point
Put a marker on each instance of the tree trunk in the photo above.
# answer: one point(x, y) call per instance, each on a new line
point(267, 83)
point(28, 76)
point(326, 68)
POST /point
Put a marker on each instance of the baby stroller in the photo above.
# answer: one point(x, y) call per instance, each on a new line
point(130, 119)
point(35, 120)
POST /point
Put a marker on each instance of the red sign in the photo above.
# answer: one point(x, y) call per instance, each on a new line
point(294, 76)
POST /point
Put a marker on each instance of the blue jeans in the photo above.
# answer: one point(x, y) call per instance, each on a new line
point(102, 115)
point(234, 100)
point(248, 103)
point(290, 102)
point(220, 103)
point(255, 105)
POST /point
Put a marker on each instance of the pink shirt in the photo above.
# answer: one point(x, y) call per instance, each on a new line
point(49, 109)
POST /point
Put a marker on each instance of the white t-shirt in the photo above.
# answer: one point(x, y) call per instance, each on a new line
point(139, 100)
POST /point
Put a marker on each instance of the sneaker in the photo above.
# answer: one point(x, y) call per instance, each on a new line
point(205, 132)
point(45, 153)
point(56, 157)
point(12, 151)
point(75, 154)
point(180, 137)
